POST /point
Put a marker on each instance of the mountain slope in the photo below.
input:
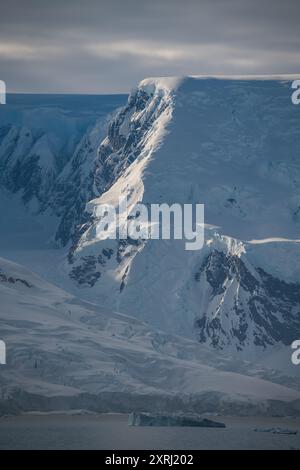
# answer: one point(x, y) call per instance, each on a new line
point(244, 306)
point(63, 352)
point(231, 144)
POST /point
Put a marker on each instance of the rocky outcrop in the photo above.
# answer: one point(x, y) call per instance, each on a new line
point(244, 305)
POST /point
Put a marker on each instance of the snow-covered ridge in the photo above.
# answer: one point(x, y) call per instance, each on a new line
point(172, 85)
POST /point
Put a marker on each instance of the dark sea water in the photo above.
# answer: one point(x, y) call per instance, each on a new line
point(112, 432)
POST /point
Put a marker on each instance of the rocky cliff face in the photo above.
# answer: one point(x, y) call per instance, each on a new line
point(244, 306)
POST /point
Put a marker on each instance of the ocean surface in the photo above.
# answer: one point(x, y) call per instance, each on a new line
point(111, 431)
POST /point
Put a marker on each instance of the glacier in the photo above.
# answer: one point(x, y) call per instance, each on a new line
point(48, 149)
point(66, 353)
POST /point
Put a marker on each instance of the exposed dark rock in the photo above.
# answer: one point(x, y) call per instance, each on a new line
point(14, 280)
point(261, 305)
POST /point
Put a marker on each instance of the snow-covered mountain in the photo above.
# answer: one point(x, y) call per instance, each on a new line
point(232, 144)
point(211, 327)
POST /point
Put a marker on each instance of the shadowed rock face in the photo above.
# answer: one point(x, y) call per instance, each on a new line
point(251, 307)
point(122, 147)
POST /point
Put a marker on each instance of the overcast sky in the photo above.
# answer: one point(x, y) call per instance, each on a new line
point(107, 46)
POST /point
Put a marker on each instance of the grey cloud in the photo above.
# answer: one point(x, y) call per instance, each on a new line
point(107, 46)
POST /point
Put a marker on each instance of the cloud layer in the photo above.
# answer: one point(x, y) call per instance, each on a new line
point(107, 46)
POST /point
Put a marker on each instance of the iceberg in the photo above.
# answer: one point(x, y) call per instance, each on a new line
point(277, 430)
point(174, 419)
